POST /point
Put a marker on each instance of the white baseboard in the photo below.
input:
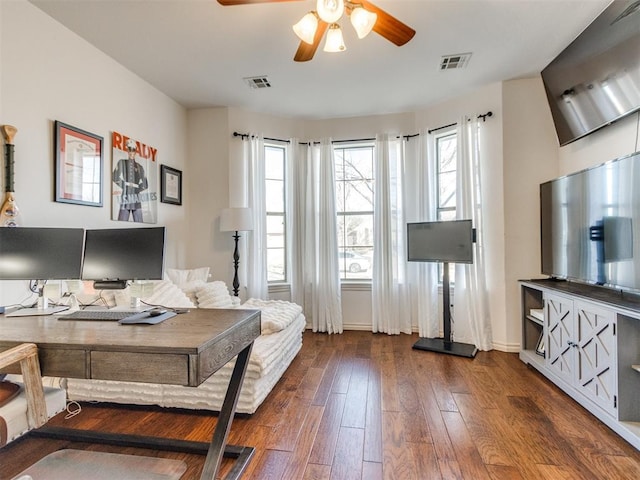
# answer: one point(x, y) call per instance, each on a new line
point(500, 346)
point(506, 347)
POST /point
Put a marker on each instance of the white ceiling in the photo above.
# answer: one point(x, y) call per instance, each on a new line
point(198, 52)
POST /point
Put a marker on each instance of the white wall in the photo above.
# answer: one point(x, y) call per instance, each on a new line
point(612, 142)
point(530, 150)
point(208, 185)
point(48, 73)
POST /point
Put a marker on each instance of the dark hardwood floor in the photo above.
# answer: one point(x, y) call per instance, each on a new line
point(365, 406)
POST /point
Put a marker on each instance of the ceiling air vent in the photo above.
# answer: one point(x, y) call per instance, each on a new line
point(451, 62)
point(258, 82)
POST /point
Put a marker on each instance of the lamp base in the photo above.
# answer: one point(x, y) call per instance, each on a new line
point(236, 262)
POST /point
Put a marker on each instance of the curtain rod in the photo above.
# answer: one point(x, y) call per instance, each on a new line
point(247, 135)
point(244, 136)
point(482, 116)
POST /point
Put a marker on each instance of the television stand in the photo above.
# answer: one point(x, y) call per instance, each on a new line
point(446, 344)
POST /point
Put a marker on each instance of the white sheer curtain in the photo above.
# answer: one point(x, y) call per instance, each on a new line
point(389, 289)
point(421, 206)
point(255, 267)
point(402, 292)
point(313, 230)
point(471, 321)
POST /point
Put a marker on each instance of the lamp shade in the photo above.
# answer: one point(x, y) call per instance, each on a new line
point(334, 42)
point(362, 21)
point(236, 219)
point(306, 28)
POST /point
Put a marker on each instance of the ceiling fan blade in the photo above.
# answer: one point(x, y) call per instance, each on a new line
point(388, 26)
point(306, 51)
point(228, 3)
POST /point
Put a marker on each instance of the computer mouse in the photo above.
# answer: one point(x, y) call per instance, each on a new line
point(154, 312)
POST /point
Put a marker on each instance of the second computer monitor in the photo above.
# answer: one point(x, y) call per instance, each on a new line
point(123, 254)
point(28, 253)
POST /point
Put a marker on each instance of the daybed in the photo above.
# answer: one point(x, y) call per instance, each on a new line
point(275, 349)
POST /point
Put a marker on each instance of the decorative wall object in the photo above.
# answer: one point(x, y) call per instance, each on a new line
point(170, 185)
point(134, 180)
point(9, 211)
point(79, 161)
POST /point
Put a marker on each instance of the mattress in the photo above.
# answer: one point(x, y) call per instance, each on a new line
point(270, 357)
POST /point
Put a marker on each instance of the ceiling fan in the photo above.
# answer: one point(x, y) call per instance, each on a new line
point(364, 15)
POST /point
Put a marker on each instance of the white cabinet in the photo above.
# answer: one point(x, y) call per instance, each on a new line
point(588, 343)
point(595, 347)
point(581, 347)
point(559, 334)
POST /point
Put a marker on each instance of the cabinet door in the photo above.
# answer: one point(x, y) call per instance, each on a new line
point(595, 368)
point(559, 334)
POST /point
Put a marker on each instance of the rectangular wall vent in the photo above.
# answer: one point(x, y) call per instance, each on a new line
point(258, 82)
point(451, 62)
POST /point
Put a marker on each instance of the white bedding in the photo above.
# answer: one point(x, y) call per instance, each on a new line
point(275, 315)
point(270, 357)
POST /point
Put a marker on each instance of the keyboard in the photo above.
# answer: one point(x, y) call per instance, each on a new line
point(104, 315)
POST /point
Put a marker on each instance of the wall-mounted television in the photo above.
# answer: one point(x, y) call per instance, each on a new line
point(596, 79)
point(442, 241)
point(590, 225)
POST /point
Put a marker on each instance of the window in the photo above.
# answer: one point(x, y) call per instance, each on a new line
point(354, 195)
point(446, 154)
point(275, 157)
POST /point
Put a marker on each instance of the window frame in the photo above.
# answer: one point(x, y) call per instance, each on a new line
point(347, 276)
point(441, 211)
point(282, 214)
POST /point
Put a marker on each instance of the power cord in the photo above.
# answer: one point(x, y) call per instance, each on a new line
point(73, 409)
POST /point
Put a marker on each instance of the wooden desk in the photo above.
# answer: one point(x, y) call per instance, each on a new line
point(184, 350)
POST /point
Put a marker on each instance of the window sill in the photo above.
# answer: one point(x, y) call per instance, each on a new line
point(279, 288)
point(354, 286)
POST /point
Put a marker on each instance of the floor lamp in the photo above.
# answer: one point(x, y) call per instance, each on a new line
point(236, 219)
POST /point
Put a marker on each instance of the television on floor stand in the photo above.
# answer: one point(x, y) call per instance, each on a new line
point(443, 242)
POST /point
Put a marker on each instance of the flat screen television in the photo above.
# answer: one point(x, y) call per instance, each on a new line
point(118, 255)
point(590, 225)
point(596, 79)
point(442, 241)
point(28, 253)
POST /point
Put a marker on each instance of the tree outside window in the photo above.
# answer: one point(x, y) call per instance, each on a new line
point(354, 206)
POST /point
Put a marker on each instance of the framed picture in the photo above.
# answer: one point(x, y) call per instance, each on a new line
point(79, 162)
point(170, 185)
point(540, 345)
point(134, 180)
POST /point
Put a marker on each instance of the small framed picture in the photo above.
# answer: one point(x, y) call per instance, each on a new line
point(78, 169)
point(170, 185)
point(540, 345)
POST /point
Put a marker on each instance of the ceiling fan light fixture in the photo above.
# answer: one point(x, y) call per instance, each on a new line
point(330, 11)
point(362, 21)
point(334, 42)
point(306, 28)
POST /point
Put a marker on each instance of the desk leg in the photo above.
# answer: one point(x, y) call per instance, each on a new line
point(220, 434)
point(214, 450)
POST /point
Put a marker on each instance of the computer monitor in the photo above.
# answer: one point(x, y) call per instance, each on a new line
point(40, 254)
point(115, 256)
